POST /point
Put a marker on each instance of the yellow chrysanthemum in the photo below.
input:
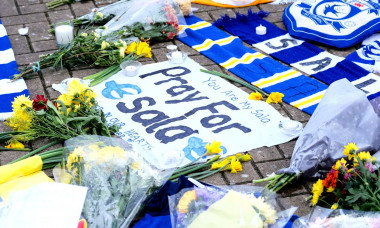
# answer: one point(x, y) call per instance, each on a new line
point(77, 90)
point(14, 144)
point(340, 163)
point(275, 97)
point(131, 48)
point(350, 150)
point(255, 96)
point(334, 206)
point(66, 99)
point(213, 148)
point(20, 121)
point(20, 103)
point(364, 156)
point(144, 49)
point(105, 45)
point(317, 191)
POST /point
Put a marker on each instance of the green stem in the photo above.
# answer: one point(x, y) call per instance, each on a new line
point(266, 179)
point(14, 149)
point(188, 171)
point(252, 87)
point(48, 166)
point(284, 183)
point(211, 173)
point(45, 156)
point(36, 151)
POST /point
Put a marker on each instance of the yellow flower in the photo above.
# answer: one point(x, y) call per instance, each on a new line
point(83, 34)
point(213, 148)
point(66, 99)
point(245, 157)
point(135, 166)
point(14, 144)
point(131, 47)
point(334, 206)
point(255, 96)
point(105, 45)
point(275, 97)
point(20, 103)
point(218, 165)
point(350, 150)
point(144, 50)
point(317, 191)
point(340, 163)
point(20, 121)
point(330, 189)
point(99, 15)
point(77, 90)
point(235, 166)
point(365, 157)
point(122, 52)
point(184, 202)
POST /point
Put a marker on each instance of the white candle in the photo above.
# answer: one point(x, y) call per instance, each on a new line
point(177, 57)
point(130, 71)
point(172, 48)
point(261, 30)
point(290, 125)
point(64, 34)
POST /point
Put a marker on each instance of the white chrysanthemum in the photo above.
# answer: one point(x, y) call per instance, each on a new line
point(264, 209)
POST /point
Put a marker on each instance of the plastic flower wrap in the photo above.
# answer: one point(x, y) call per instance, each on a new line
point(327, 218)
point(117, 176)
point(229, 206)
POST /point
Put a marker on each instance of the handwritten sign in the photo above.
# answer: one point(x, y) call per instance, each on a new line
point(179, 108)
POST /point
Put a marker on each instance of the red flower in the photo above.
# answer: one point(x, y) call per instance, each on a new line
point(170, 35)
point(330, 180)
point(39, 102)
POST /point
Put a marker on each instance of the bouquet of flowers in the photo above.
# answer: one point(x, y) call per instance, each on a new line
point(150, 20)
point(116, 175)
point(89, 49)
point(223, 207)
point(327, 218)
point(352, 184)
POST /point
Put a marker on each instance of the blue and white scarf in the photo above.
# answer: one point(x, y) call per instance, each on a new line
point(301, 55)
point(8, 67)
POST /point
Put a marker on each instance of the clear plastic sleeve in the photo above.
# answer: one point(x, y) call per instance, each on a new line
point(117, 176)
point(321, 217)
point(226, 206)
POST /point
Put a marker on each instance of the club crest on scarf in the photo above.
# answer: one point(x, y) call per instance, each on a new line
point(370, 51)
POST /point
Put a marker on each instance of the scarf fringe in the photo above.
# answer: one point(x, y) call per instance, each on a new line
point(227, 20)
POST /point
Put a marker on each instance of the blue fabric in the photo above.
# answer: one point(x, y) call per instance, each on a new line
point(322, 22)
point(304, 51)
point(154, 222)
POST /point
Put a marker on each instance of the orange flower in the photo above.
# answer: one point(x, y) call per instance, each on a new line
point(330, 181)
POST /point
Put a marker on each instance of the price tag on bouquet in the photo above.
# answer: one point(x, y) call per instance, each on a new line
point(170, 108)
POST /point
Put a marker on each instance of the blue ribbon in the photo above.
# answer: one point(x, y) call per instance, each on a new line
point(36, 68)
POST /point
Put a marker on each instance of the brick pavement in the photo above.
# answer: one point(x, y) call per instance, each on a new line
point(16, 14)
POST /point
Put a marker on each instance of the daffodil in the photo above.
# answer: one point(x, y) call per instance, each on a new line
point(275, 97)
point(245, 157)
point(20, 103)
point(14, 144)
point(255, 96)
point(105, 45)
point(349, 150)
point(218, 165)
point(235, 166)
point(131, 48)
point(317, 191)
point(213, 148)
point(144, 49)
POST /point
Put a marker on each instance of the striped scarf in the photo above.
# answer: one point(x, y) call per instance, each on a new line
point(229, 52)
point(8, 67)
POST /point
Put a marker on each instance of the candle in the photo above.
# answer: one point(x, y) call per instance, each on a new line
point(130, 68)
point(171, 48)
point(290, 125)
point(177, 57)
point(64, 34)
point(130, 71)
point(261, 30)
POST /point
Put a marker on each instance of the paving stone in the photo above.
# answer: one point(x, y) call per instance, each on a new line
point(39, 31)
point(162, 44)
point(203, 15)
point(293, 188)
point(8, 8)
point(280, 109)
point(265, 154)
point(52, 93)
point(13, 29)
point(287, 148)
point(147, 62)
point(19, 44)
point(35, 87)
point(4, 128)
point(38, 143)
point(295, 113)
point(52, 76)
point(202, 60)
point(183, 47)
point(215, 179)
point(36, 8)
point(216, 14)
point(62, 15)
point(274, 17)
point(297, 201)
point(247, 175)
point(342, 52)
point(26, 59)
point(281, 25)
point(201, 8)
point(268, 168)
point(27, 2)
point(85, 72)
point(8, 156)
point(273, 8)
point(244, 10)
point(44, 45)
point(160, 54)
point(82, 8)
point(24, 19)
